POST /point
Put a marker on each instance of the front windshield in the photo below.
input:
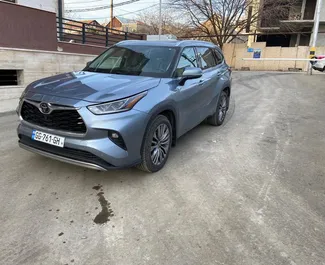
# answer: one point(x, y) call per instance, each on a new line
point(135, 60)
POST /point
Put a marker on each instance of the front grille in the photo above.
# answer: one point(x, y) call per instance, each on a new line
point(64, 120)
point(71, 153)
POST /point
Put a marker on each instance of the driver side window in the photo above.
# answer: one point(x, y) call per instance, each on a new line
point(187, 59)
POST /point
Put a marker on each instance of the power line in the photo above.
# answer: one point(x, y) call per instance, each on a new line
point(136, 11)
point(87, 7)
point(99, 7)
point(85, 2)
point(124, 10)
point(125, 14)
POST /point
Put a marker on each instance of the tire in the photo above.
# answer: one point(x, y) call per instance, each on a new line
point(156, 144)
point(219, 116)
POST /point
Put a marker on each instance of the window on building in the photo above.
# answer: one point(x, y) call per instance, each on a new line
point(206, 57)
point(10, 77)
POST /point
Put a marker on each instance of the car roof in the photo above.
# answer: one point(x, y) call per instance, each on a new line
point(170, 43)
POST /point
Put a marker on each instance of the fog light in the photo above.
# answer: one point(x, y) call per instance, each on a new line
point(117, 139)
point(114, 135)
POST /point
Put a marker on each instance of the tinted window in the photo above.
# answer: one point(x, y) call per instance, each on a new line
point(135, 60)
point(187, 59)
point(206, 57)
point(219, 56)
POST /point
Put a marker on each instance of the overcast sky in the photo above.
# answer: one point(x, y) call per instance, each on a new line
point(127, 11)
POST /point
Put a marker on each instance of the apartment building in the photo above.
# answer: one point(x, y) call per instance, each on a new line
point(298, 18)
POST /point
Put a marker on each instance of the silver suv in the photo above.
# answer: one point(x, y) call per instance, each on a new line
point(128, 106)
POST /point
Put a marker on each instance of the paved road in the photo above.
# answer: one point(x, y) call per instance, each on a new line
point(249, 192)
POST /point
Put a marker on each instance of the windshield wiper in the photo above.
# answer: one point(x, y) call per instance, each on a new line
point(117, 71)
point(125, 72)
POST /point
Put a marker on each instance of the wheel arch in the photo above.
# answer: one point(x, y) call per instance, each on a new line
point(227, 89)
point(169, 111)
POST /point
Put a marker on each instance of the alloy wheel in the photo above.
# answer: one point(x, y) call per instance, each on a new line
point(160, 144)
point(222, 108)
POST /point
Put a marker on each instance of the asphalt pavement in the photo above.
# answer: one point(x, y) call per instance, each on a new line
point(249, 192)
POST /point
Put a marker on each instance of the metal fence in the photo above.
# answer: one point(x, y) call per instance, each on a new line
point(73, 31)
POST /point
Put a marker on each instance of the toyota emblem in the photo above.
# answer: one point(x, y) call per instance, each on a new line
point(45, 108)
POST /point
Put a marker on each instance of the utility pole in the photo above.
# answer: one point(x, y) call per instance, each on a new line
point(315, 30)
point(160, 19)
point(111, 24)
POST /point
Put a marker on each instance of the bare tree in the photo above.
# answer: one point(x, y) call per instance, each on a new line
point(222, 21)
point(171, 24)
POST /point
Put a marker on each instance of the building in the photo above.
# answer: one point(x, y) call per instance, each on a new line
point(128, 25)
point(298, 18)
point(75, 27)
point(47, 5)
point(208, 25)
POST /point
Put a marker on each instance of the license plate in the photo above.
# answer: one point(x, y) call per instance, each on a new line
point(48, 138)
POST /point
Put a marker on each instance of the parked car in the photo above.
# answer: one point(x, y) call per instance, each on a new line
point(319, 65)
point(128, 106)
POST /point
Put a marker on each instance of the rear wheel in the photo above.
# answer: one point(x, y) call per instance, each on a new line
point(156, 144)
point(219, 116)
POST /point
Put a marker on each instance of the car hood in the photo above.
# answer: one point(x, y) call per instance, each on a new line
point(92, 87)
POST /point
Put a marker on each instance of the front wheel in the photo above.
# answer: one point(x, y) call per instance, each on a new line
point(219, 116)
point(156, 144)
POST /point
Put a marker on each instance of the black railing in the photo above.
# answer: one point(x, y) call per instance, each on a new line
point(94, 34)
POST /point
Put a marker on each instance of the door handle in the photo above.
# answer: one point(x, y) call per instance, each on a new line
point(204, 80)
point(201, 82)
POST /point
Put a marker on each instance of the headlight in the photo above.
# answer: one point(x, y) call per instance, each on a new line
point(117, 106)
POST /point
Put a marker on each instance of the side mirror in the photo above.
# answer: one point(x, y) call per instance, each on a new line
point(88, 63)
point(190, 73)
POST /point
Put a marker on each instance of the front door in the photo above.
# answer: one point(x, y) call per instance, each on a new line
point(191, 94)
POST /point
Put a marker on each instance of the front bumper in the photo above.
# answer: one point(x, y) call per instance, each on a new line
point(93, 149)
point(62, 158)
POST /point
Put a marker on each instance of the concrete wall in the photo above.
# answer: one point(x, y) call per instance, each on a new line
point(321, 36)
point(35, 65)
point(80, 48)
point(234, 54)
point(322, 12)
